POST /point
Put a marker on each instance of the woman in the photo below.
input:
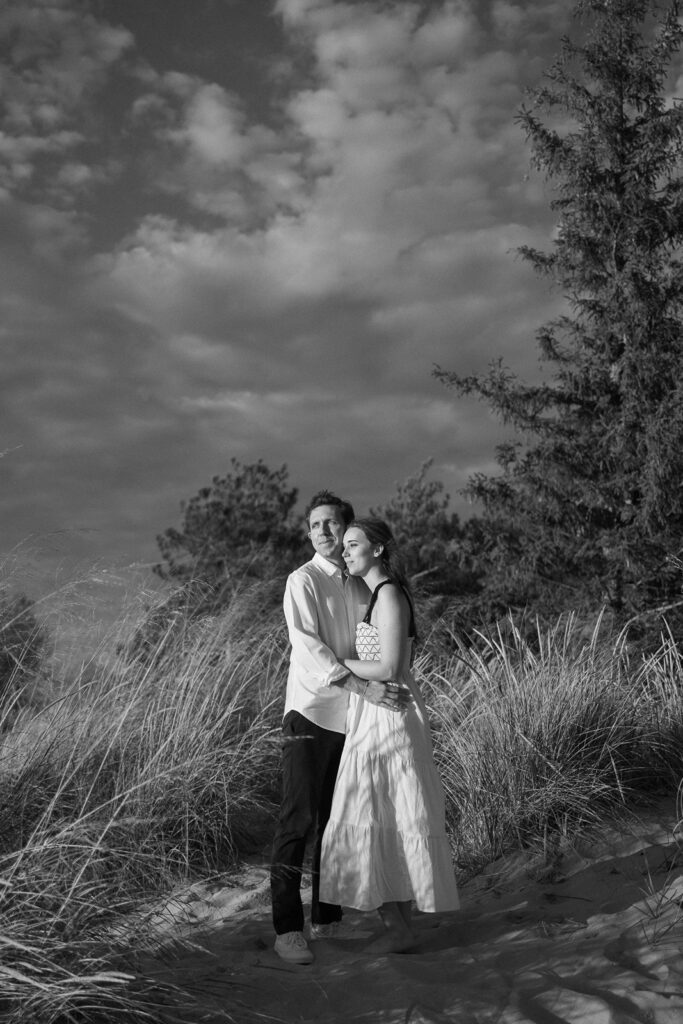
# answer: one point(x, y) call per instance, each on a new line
point(385, 843)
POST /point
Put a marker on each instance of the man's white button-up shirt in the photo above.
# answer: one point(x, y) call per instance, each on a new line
point(322, 607)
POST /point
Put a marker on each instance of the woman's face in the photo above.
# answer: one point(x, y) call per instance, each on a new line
point(359, 553)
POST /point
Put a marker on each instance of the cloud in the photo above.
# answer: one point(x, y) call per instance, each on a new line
point(207, 152)
point(387, 247)
point(185, 281)
point(59, 58)
point(397, 176)
point(214, 128)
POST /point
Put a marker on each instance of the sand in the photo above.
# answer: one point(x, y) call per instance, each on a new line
point(595, 937)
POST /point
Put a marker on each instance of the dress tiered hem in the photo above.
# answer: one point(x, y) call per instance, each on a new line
point(373, 865)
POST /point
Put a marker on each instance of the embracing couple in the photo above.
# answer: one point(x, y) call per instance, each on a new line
point(358, 774)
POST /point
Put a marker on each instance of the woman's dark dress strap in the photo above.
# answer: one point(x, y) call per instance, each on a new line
point(411, 627)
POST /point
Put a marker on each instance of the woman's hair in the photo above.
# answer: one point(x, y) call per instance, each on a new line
point(377, 532)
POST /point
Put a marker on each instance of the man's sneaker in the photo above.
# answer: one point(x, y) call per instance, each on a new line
point(292, 947)
point(325, 931)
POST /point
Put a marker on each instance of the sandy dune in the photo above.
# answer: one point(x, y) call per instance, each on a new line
point(596, 938)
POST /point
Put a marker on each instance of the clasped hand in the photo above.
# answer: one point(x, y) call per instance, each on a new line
point(391, 695)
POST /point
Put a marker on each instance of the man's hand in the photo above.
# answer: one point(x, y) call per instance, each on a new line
point(392, 696)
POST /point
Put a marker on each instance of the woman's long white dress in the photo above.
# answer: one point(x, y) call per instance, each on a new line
point(386, 839)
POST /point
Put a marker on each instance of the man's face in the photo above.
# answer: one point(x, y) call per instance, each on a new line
point(326, 531)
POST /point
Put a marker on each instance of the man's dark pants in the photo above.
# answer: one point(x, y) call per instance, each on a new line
point(310, 759)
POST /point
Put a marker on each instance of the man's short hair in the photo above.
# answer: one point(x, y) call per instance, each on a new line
point(328, 498)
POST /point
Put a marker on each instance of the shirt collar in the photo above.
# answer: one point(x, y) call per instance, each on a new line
point(326, 565)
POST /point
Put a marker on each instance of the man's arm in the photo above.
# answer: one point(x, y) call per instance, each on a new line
point(318, 660)
point(308, 650)
point(388, 694)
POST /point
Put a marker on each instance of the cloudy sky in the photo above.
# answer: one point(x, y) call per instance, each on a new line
point(250, 229)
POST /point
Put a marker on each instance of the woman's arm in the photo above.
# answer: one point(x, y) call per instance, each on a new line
point(392, 625)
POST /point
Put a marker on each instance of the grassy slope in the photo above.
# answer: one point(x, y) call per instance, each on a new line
point(137, 775)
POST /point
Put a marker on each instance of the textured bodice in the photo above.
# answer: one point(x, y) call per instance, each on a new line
point(367, 635)
point(367, 642)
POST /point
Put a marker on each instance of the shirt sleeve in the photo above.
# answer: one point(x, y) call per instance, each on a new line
point(310, 654)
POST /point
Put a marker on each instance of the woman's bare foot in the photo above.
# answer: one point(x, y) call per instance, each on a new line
point(398, 936)
point(392, 941)
point(405, 909)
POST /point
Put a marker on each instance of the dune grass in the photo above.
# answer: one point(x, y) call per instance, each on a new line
point(137, 775)
point(539, 739)
point(142, 773)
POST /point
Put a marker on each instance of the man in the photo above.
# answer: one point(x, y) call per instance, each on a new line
point(322, 606)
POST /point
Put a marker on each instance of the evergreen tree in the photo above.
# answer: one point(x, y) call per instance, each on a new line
point(239, 538)
point(588, 506)
point(430, 537)
point(242, 524)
